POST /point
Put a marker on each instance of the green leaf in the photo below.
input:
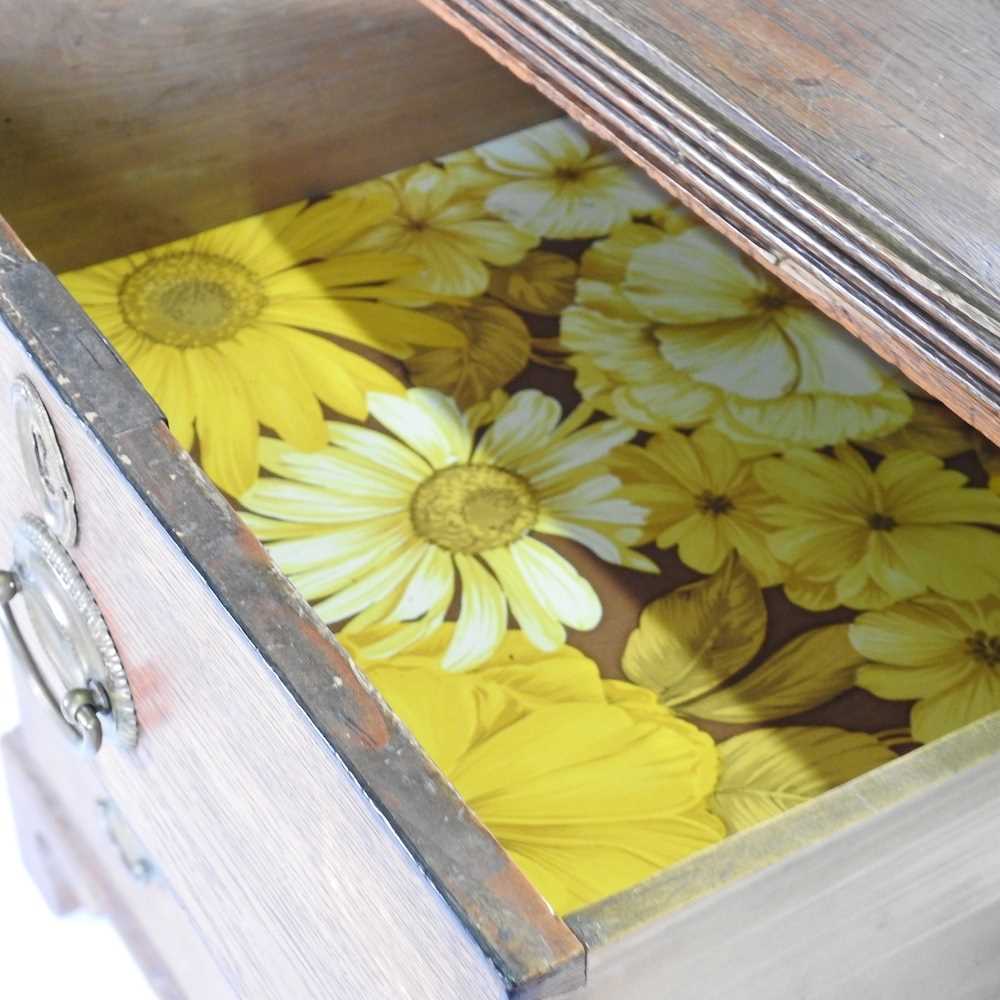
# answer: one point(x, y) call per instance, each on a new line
point(697, 636)
point(768, 771)
point(804, 673)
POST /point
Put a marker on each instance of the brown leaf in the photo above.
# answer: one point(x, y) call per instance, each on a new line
point(698, 636)
point(543, 283)
point(768, 771)
point(806, 672)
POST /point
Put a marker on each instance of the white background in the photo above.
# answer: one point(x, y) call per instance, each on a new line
point(43, 957)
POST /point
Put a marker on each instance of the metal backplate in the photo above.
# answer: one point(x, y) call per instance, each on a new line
point(43, 462)
point(67, 624)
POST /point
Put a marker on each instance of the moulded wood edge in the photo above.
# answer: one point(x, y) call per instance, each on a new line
point(952, 368)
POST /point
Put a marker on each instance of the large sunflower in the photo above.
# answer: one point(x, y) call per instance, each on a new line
point(448, 229)
point(867, 538)
point(945, 654)
point(702, 497)
point(376, 527)
point(556, 180)
point(675, 328)
point(214, 325)
point(590, 785)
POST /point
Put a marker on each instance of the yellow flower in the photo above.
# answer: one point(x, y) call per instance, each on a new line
point(945, 654)
point(702, 498)
point(542, 283)
point(556, 180)
point(214, 326)
point(684, 329)
point(376, 527)
point(868, 538)
point(618, 364)
point(449, 230)
point(497, 349)
point(589, 785)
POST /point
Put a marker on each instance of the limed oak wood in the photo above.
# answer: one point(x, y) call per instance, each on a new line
point(308, 836)
point(887, 888)
point(55, 795)
point(850, 149)
point(126, 123)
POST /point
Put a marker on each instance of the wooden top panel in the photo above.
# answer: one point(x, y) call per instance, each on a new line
point(892, 107)
point(851, 151)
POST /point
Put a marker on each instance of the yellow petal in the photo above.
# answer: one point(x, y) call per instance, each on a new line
point(537, 622)
point(915, 633)
point(427, 421)
point(326, 226)
point(340, 378)
point(226, 423)
point(694, 277)
point(933, 428)
point(389, 329)
point(278, 388)
point(257, 242)
point(970, 699)
point(482, 618)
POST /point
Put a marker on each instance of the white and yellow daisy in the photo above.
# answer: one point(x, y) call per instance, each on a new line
point(378, 527)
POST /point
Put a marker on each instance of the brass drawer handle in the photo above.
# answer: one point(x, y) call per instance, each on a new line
point(43, 461)
point(80, 655)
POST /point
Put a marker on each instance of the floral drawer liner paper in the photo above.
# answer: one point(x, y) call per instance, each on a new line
point(643, 548)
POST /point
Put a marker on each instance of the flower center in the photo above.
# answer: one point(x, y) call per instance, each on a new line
point(984, 647)
point(774, 299)
point(713, 503)
point(568, 174)
point(190, 299)
point(881, 522)
point(471, 508)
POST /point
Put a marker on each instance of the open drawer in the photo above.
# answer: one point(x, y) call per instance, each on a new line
point(640, 547)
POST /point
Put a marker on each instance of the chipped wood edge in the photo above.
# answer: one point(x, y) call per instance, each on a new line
point(945, 343)
point(535, 952)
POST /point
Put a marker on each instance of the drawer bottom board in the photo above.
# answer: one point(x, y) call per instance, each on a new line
point(527, 434)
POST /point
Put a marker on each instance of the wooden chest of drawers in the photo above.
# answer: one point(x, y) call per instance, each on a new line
point(264, 825)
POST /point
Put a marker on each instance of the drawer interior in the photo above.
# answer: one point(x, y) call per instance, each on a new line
point(643, 549)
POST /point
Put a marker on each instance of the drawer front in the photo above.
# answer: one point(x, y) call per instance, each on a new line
point(81, 851)
point(295, 880)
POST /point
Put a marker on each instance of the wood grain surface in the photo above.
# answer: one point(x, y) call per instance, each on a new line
point(315, 846)
point(890, 109)
point(55, 794)
point(887, 888)
point(126, 124)
point(645, 76)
